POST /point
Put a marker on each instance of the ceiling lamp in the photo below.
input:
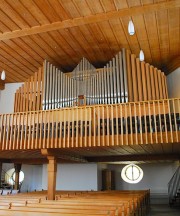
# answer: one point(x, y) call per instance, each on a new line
point(3, 75)
point(131, 29)
point(141, 55)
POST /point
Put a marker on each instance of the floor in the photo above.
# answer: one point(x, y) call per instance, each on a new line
point(164, 210)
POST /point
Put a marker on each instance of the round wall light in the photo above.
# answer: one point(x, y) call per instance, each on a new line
point(132, 174)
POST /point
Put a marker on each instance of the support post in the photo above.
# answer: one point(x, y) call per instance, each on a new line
point(17, 168)
point(0, 173)
point(52, 170)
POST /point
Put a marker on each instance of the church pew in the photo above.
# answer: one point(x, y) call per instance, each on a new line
point(10, 212)
point(61, 210)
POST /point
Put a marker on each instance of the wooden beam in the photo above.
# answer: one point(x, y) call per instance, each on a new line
point(2, 85)
point(122, 158)
point(91, 19)
point(58, 154)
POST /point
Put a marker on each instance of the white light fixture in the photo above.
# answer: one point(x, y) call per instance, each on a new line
point(131, 29)
point(3, 75)
point(141, 55)
point(132, 174)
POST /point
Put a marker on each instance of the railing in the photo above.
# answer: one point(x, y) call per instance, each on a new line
point(97, 125)
point(174, 185)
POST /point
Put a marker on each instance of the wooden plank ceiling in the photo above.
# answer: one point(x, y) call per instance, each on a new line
point(64, 31)
point(122, 154)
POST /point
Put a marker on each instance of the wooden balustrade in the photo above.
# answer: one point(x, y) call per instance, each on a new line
point(98, 125)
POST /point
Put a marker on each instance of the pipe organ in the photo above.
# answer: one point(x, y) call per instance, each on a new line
point(123, 79)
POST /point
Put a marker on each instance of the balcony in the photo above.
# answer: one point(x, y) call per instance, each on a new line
point(117, 125)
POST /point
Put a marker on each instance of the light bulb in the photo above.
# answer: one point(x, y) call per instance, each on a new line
point(3, 75)
point(141, 55)
point(131, 29)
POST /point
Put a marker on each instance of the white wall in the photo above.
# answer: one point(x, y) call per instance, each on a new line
point(7, 97)
point(173, 83)
point(32, 177)
point(156, 178)
point(73, 177)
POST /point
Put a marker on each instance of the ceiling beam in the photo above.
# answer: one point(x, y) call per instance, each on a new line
point(122, 158)
point(91, 19)
point(58, 154)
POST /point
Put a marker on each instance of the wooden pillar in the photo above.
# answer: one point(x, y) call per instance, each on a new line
point(0, 172)
point(52, 170)
point(17, 168)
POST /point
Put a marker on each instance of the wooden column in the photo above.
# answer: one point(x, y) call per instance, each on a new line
point(2, 85)
point(52, 170)
point(17, 168)
point(0, 172)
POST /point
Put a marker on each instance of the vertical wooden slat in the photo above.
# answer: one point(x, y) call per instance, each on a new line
point(117, 124)
point(155, 124)
point(170, 120)
point(39, 79)
point(139, 80)
point(130, 122)
point(135, 122)
point(160, 84)
point(156, 83)
point(112, 125)
point(27, 95)
point(145, 122)
point(7, 132)
point(24, 98)
point(11, 133)
point(165, 122)
point(144, 81)
point(15, 127)
point(18, 131)
point(160, 122)
point(134, 77)
point(148, 82)
point(51, 129)
point(98, 127)
point(140, 121)
point(122, 123)
point(4, 132)
point(77, 129)
point(126, 123)
point(35, 92)
point(124, 60)
point(129, 77)
point(175, 120)
point(86, 126)
point(81, 126)
point(150, 123)
point(163, 86)
point(152, 83)
point(103, 125)
point(107, 125)
point(22, 130)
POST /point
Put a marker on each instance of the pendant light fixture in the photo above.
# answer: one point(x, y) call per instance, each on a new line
point(131, 29)
point(141, 55)
point(3, 75)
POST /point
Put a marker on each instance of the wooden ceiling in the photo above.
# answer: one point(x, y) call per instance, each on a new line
point(64, 31)
point(121, 154)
